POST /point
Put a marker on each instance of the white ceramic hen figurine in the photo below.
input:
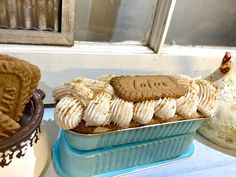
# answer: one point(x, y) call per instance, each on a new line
point(221, 129)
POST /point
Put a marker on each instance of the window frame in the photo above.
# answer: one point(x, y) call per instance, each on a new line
point(161, 21)
point(65, 37)
point(163, 15)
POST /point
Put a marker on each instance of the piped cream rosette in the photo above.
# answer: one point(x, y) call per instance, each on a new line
point(143, 111)
point(68, 112)
point(187, 105)
point(165, 108)
point(73, 89)
point(208, 98)
point(120, 109)
point(94, 102)
point(97, 113)
point(82, 88)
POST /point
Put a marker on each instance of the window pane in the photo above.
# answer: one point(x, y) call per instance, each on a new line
point(30, 14)
point(114, 20)
point(201, 22)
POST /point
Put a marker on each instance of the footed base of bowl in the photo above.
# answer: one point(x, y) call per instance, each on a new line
point(65, 157)
point(216, 137)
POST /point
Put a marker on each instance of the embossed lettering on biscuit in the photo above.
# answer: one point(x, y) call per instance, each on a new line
point(9, 98)
point(142, 88)
point(33, 71)
point(15, 80)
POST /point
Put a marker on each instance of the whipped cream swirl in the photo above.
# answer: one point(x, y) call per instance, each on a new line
point(121, 112)
point(209, 98)
point(68, 112)
point(143, 111)
point(78, 90)
point(187, 105)
point(183, 79)
point(98, 111)
point(165, 108)
point(96, 86)
point(60, 91)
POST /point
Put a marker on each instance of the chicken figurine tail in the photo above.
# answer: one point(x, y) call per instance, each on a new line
point(221, 129)
point(224, 70)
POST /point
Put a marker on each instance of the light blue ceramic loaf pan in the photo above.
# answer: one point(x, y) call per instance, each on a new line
point(131, 135)
point(77, 163)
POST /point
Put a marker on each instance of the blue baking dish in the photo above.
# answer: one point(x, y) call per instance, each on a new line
point(72, 162)
point(131, 135)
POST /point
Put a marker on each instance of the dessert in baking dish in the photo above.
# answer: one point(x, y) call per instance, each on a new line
point(116, 102)
point(117, 122)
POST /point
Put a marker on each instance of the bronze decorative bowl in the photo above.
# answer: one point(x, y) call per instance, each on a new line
point(26, 152)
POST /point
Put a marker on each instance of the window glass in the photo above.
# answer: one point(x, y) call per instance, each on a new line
point(114, 20)
point(201, 22)
point(30, 14)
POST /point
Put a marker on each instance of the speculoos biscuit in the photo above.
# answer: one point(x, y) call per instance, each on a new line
point(142, 88)
point(33, 69)
point(8, 126)
point(15, 87)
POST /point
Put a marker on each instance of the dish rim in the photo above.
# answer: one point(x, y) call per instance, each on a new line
point(134, 128)
point(23, 134)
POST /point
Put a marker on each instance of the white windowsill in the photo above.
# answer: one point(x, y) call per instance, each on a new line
point(128, 47)
point(205, 51)
point(119, 48)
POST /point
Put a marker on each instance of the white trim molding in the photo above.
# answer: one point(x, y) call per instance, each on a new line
point(197, 51)
point(164, 11)
point(125, 48)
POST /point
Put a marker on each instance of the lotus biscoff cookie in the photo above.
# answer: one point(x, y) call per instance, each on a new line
point(15, 87)
point(141, 88)
point(35, 72)
point(8, 126)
